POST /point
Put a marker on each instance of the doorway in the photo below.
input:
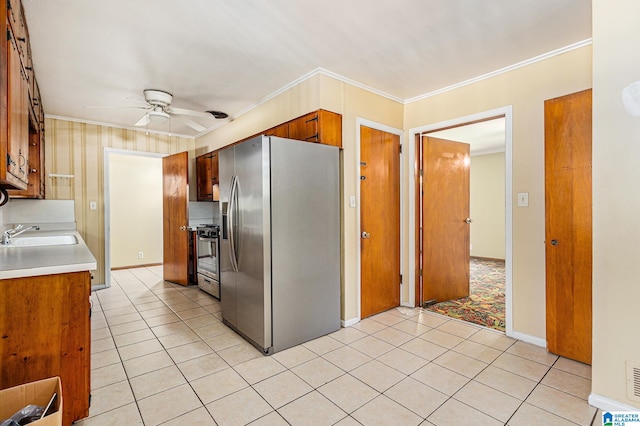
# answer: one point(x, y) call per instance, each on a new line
point(131, 209)
point(500, 121)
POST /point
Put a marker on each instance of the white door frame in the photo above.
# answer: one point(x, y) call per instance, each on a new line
point(384, 128)
point(505, 111)
point(107, 206)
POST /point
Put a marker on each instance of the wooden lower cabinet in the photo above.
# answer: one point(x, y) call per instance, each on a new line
point(46, 331)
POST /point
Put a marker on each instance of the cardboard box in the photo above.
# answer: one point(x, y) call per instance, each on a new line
point(39, 393)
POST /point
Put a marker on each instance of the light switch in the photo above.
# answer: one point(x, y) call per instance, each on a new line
point(93, 205)
point(352, 201)
point(523, 199)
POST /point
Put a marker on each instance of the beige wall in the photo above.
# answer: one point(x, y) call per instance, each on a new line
point(135, 209)
point(78, 149)
point(616, 174)
point(487, 183)
point(525, 89)
point(322, 91)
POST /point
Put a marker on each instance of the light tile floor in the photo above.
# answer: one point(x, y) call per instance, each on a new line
point(161, 355)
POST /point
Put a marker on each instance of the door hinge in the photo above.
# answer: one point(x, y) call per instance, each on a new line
point(400, 148)
point(421, 172)
point(400, 279)
point(420, 272)
point(8, 35)
point(89, 399)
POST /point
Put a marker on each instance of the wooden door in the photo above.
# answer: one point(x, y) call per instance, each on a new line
point(380, 221)
point(175, 194)
point(445, 210)
point(568, 235)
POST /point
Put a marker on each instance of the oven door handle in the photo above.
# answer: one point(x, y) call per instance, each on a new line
point(207, 238)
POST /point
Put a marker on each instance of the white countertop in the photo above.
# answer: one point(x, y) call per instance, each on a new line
point(19, 262)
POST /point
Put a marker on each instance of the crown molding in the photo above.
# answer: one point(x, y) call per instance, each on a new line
point(116, 126)
point(530, 61)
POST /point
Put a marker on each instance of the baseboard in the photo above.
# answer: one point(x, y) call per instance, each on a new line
point(487, 258)
point(146, 265)
point(529, 339)
point(608, 404)
point(349, 322)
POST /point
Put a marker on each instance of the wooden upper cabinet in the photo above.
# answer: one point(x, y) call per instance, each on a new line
point(22, 129)
point(207, 182)
point(319, 126)
point(215, 177)
point(203, 178)
point(18, 125)
point(281, 131)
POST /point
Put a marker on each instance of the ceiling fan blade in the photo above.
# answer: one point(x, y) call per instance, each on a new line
point(195, 126)
point(189, 112)
point(143, 121)
point(113, 107)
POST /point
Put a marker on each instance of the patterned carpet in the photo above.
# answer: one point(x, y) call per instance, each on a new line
point(485, 304)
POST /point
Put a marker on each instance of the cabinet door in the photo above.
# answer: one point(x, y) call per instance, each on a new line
point(203, 178)
point(18, 125)
point(35, 187)
point(305, 128)
point(319, 126)
point(281, 131)
point(47, 332)
point(330, 128)
point(215, 180)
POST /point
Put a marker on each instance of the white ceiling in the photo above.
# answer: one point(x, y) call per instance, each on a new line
point(229, 55)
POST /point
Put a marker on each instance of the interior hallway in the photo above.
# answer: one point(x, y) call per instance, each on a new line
point(161, 355)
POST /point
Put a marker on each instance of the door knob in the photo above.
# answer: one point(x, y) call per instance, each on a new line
point(183, 228)
point(554, 242)
point(468, 220)
point(365, 235)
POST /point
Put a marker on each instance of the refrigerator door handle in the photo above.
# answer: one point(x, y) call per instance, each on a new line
point(231, 217)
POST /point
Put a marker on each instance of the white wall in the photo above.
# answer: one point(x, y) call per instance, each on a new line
point(487, 183)
point(616, 174)
point(135, 190)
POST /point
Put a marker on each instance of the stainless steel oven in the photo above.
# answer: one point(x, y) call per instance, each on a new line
point(208, 250)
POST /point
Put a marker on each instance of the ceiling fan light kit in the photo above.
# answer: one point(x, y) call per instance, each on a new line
point(158, 116)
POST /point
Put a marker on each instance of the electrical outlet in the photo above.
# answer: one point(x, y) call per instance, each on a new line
point(93, 205)
point(140, 255)
point(352, 201)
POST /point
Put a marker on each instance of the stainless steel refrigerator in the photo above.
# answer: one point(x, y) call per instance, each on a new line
point(280, 242)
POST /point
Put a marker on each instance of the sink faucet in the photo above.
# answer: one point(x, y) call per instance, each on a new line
point(7, 235)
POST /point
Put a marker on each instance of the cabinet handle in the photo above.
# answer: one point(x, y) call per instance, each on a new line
point(313, 137)
point(33, 171)
point(22, 39)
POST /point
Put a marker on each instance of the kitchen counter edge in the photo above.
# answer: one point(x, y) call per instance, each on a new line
point(22, 262)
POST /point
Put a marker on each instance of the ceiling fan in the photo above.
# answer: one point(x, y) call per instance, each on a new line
point(157, 104)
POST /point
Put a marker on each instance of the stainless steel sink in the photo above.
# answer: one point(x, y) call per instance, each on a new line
point(43, 240)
